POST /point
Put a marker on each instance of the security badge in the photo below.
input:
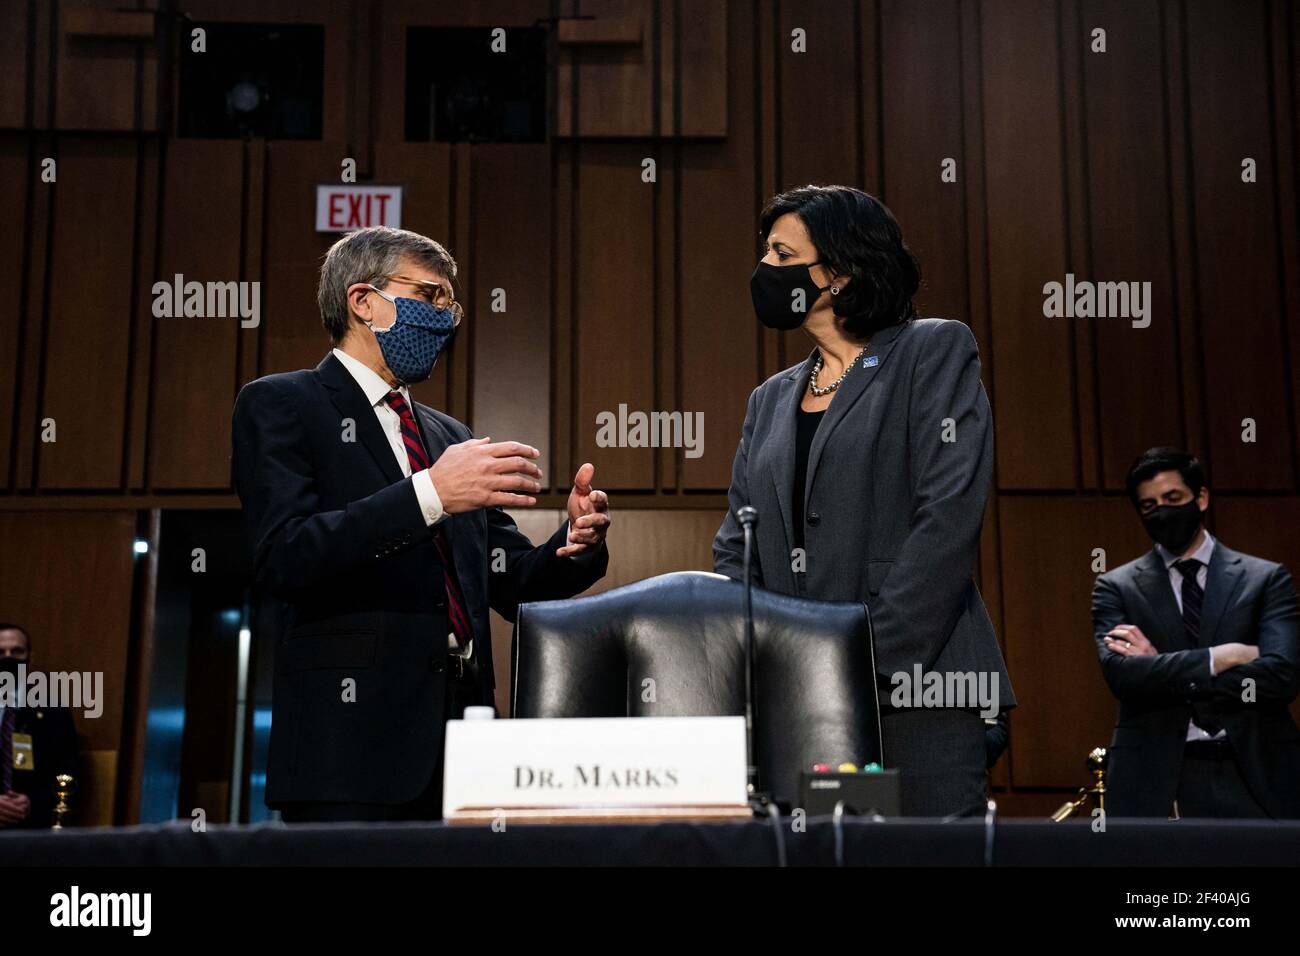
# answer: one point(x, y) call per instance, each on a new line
point(24, 755)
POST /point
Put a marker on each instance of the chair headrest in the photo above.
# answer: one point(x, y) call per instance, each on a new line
point(673, 645)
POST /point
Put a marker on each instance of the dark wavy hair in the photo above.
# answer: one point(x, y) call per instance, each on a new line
point(856, 236)
point(1164, 458)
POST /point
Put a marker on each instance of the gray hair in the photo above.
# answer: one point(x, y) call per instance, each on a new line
point(367, 255)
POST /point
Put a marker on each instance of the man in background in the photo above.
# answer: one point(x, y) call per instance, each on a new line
point(1199, 644)
point(36, 745)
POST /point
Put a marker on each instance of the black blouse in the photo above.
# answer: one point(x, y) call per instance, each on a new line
point(806, 429)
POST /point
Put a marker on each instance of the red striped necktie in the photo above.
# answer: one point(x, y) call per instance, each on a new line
point(419, 460)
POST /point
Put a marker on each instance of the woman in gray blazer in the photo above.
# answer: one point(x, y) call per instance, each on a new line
point(869, 464)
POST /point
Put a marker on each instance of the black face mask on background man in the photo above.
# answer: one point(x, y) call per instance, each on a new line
point(1174, 526)
point(772, 288)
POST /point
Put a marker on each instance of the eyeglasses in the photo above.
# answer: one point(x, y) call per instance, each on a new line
point(435, 293)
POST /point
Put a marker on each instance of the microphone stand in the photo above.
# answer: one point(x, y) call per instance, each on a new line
point(761, 803)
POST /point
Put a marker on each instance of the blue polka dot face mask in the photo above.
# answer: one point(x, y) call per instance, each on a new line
point(411, 345)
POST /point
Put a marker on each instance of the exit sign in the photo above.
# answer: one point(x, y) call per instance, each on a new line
point(343, 208)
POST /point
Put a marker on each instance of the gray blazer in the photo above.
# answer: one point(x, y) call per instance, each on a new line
point(1247, 600)
point(898, 476)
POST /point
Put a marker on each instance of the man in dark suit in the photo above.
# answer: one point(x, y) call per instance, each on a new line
point(378, 522)
point(36, 745)
point(1199, 643)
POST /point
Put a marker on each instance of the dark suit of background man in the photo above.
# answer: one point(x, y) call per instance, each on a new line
point(377, 521)
point(1199, 644)
point(36, 745)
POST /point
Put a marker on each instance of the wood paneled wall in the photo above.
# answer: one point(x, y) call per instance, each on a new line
point(1117, 166)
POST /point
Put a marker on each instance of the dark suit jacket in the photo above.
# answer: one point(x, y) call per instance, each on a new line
point(892, 510)
point(54, 750)
point(1248, 601)
point(338, 536)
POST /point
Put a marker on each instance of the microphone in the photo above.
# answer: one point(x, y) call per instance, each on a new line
point(748, 518)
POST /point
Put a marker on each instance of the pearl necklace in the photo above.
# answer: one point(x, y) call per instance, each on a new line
point(812, 380)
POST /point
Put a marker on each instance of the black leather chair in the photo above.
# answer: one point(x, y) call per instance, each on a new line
point(673, 646)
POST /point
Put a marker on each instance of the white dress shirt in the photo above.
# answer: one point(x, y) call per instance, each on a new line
point(1202, 554)
point(377, 390)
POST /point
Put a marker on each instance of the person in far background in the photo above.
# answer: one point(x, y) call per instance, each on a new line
point(36, 745)
point(1199, 644)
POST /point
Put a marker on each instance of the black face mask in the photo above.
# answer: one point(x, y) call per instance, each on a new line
point(1174, 526)
point(9, 665)
point(773, 290)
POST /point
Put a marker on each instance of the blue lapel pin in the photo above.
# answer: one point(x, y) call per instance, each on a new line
point(871, 361)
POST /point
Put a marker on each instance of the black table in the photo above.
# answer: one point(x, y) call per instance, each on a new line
point(913, 842)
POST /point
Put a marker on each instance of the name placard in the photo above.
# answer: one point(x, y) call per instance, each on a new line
point(605, 762)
